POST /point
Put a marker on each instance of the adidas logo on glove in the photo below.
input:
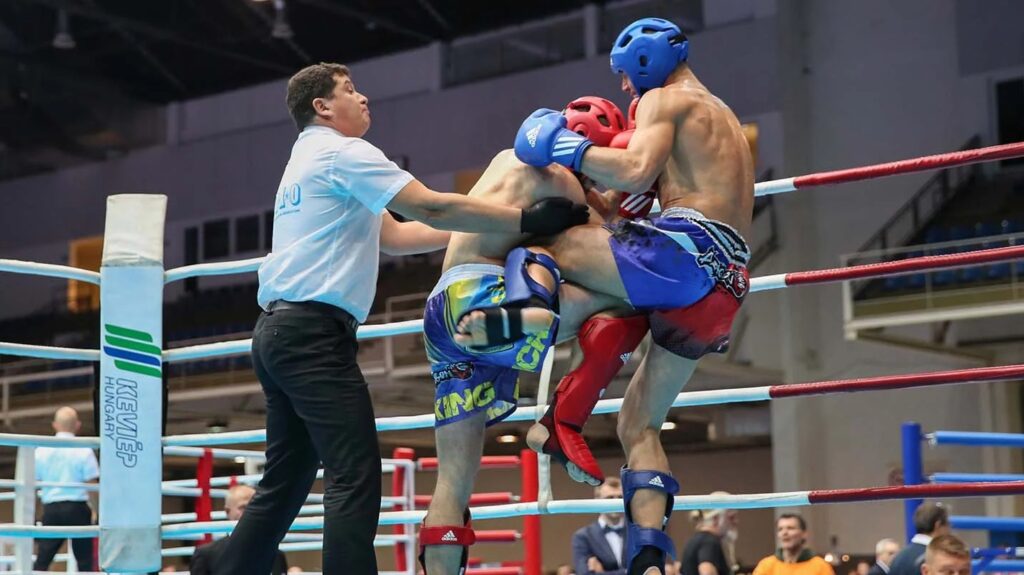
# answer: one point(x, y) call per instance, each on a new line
point(625, 357)
point(531, 136)
point(656, 482)
point(449, 537)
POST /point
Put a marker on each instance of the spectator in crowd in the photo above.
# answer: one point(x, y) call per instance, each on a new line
point(946, 555)
point(793, 557)
point(564, 570)
point(598, 547)
point(704, 553)
point(863, 567)
point(295, 569)
point(885, 550)
point(930, 521)
point(66, 506)
point(206, 558)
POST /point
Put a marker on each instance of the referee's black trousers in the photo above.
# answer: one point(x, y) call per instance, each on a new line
point(318, 409)
point(65, 513)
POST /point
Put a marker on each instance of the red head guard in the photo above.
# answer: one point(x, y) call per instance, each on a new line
point(595, 118)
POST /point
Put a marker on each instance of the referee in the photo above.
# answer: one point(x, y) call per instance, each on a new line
point(316, 287)
point(65, 505)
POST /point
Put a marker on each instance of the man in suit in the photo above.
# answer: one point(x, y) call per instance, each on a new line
point(598, 547)
point(208, 556)
point(930, 521)
point(885, 550)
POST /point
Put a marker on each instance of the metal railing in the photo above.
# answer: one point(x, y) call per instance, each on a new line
point(960, 293)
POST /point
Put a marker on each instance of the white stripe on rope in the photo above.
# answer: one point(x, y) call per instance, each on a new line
point(770, 282)
point(379, 541)
point(49, 532)
point(774, 187)
point(212, 269)
point(49, 270)
point(184, 445)
point(244, 346)
point(22, 440)
point(405, 422)
point(569, 506)
point(49, 352)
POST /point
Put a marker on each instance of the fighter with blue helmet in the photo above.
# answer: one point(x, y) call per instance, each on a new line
point(686, 267)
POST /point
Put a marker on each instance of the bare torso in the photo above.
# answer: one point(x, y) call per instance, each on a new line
point(709, 168)
point(510, 182)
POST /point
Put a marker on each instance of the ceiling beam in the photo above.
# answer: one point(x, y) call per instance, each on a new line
point(340, 9)
point(430, 9)
point(157, 33)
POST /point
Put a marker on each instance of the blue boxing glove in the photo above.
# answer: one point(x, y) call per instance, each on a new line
point(543, 139)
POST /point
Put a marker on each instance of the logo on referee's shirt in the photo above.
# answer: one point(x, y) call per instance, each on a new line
point(132, 350)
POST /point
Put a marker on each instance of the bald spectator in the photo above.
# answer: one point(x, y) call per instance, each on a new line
point(930, 520)
point(885, 551)
point(295, 569)
point(946, 555)
point(66, 506)
point(207, 557)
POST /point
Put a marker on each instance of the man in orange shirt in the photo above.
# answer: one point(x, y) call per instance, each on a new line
point(792, 557)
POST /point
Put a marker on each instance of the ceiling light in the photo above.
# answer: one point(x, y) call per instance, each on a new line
point(282, 30)
point(63, 40)
point(508, 438)
point(668, 426)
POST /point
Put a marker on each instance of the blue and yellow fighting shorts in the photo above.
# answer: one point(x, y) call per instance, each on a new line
point(468, 381)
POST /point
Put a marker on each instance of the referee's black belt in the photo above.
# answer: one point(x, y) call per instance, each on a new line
point(317, 306)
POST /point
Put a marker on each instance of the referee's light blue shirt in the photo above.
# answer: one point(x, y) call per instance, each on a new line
point(66, 465)
point(327, 220)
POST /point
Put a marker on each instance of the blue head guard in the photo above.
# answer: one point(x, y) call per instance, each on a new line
point(647, 51)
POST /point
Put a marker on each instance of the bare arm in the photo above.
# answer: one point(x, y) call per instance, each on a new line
point(635, 169)
point(454, 212)
point(406, 238)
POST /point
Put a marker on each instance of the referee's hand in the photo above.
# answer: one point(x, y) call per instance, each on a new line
point(552, 215)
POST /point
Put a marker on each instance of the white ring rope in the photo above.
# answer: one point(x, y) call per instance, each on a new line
point(212, 269)
point(49, 270)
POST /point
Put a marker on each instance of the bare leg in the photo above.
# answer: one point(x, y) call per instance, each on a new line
point(585, 258)
point(648, 398)
point(459, 447)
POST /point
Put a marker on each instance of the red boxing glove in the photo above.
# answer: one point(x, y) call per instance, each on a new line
point(636, 206)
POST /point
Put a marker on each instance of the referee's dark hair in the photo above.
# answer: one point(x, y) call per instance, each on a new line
point(308, 84)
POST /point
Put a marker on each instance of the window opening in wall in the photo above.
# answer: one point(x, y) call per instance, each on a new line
point(216, 238)
point(1010, 115)
point(84, 253)
point(247, 234)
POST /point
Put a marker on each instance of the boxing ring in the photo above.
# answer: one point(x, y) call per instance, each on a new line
point(999, 559)
point(132, 294)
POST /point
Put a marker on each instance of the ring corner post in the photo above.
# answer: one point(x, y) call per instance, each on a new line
point(531, 523)
point(25, 504)
point(913, 470)
point(131, 383)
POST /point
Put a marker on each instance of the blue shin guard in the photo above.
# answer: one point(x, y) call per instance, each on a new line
point(504, 324)
point(637, 537)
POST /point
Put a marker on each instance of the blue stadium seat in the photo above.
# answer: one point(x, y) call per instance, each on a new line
point(916, 281)
point(895, 283)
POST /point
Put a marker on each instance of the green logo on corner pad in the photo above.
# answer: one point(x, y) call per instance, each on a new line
point(132, 350)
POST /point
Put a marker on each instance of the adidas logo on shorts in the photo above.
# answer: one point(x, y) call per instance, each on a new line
point(625, 357)
point(449, 537)
point(531, 136)
point(656, 482)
